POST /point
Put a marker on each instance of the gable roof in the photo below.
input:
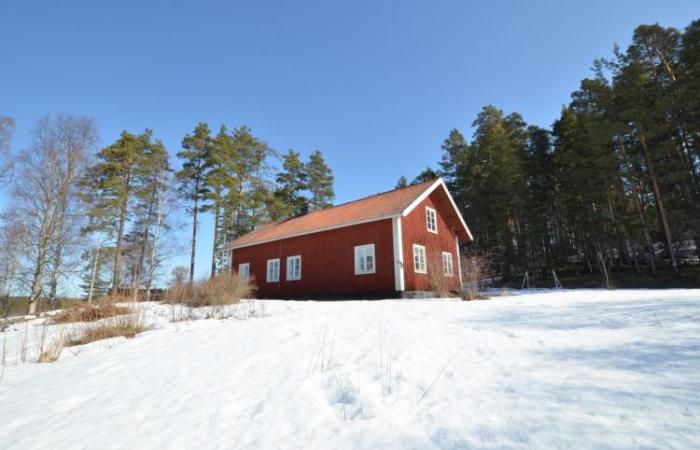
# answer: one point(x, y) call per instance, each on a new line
point(385, 205)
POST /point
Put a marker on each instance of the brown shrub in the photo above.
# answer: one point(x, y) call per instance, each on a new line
point(126, 325)
point(121, 296)
point(90, 312)
point(475, 269)
point(224, 289)
point(178, 292)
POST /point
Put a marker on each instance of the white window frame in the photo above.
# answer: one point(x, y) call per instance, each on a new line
point(290, 275)
point(447, 263)
point(417, 259)
point(268, 277)
point(430, 213)
point(247, 271)
point(362, 252)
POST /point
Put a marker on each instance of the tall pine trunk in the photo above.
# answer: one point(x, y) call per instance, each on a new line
point(645, 229)
point(195, 212)
point(638, 201)
point(217, 213)
point(116, 274)
point(136, 282)
point(93, 276)
point(660, 204)
point(154, 250)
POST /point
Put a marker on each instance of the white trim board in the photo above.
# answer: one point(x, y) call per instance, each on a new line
point(399, 279)
point(459, 265)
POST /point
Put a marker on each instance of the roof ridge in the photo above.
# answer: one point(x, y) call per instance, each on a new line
point(352, 201)
point(378, 194)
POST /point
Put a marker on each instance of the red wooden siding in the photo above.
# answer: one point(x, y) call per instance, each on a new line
point(327, 260)
point(414, 230)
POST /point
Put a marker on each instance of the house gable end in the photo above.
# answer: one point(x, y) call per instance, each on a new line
point(446, 206)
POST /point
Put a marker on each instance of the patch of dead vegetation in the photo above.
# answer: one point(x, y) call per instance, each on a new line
point(126, 326)
point(224, 289)
point(90, 312)
point(49, 347)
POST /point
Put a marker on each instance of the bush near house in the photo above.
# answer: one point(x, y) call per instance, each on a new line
point(224, 289)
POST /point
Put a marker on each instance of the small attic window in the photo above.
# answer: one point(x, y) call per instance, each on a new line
point(431, 219)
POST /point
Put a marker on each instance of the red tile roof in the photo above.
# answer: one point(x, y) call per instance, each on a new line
point(368, 209)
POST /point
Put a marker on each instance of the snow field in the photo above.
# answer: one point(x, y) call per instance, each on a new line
point(554, 369)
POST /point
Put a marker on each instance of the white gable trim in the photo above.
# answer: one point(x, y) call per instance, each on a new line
point(439, 182)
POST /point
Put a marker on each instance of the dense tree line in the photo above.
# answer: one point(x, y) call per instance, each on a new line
point(231, 176)
point(614, 183)
point(102, 215)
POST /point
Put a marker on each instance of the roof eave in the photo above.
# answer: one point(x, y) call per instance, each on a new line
point(232, 246)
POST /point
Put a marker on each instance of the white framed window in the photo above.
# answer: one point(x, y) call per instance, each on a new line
point(419, 262)
point(431, 219)
point(447, 267)
point(244, 271)
point(294, 268)
point(273, 270)
point(364, 259)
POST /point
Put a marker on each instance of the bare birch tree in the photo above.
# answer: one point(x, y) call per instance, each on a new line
point(45, 188)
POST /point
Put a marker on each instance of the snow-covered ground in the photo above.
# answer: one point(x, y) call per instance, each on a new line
point(560, 369)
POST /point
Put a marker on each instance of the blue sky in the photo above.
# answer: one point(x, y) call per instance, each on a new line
point(375, 85)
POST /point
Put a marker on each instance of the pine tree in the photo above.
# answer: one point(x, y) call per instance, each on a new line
point(96, 271)
point(246, 201)
point(191, 178)
point(401, 183)
point(496, 198)
point(452, 166)
point(112, 181)
point(427, 174)
point(151, 173)
point(221, 177)
point(292, 181)
point(454, 152)
point(320, 182)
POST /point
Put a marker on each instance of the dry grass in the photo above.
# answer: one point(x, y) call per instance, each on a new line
point(48, 350)
point(178, 292)
point(225, 289)
point(119, 297)
point(125, 325)
point(90, 312)
point(17, 306)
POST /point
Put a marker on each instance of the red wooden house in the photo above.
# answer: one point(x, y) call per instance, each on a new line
point(387, 245)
